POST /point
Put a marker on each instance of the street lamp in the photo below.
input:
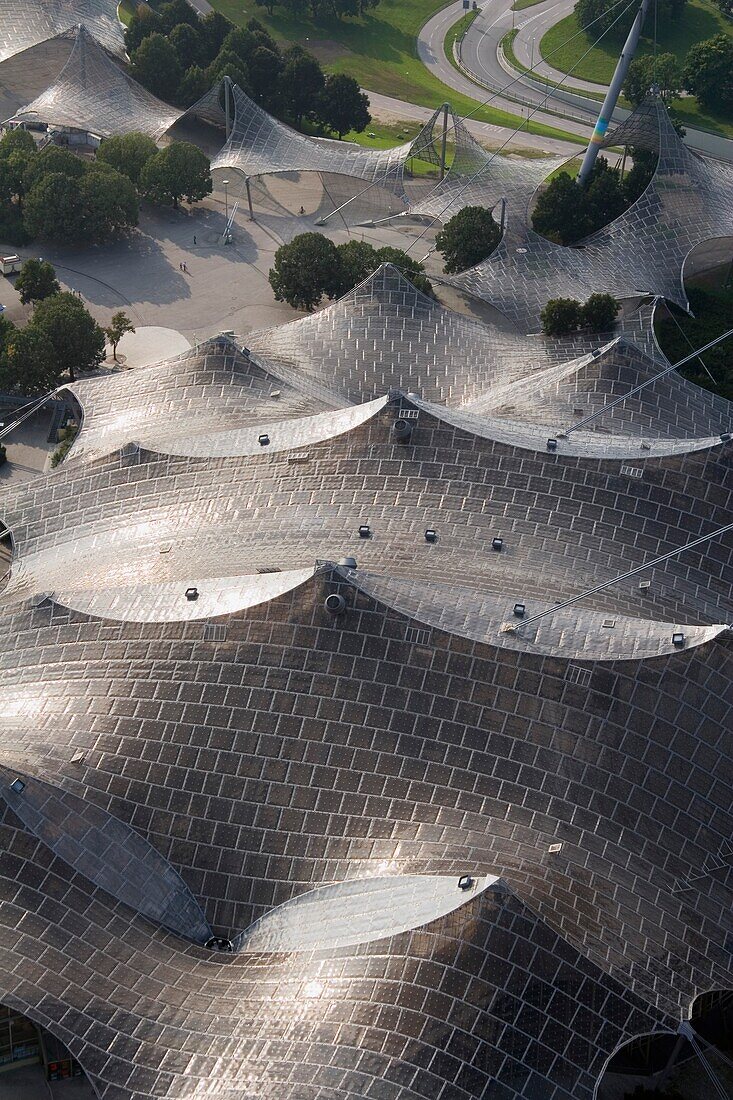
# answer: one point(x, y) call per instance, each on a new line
point(225, 184)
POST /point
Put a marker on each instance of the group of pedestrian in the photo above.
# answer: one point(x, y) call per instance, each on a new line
point(182, 267)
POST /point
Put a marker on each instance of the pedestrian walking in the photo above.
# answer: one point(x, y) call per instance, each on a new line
point(194, 238)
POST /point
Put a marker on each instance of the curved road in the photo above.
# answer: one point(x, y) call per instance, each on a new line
point(479, 54)
point(485, 33)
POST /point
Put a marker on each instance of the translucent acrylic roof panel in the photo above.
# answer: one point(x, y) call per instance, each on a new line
point(93, 93)
point(25, 23)
point(689, 201)
point(260, 144)
point(385, 334)
point(480, 178)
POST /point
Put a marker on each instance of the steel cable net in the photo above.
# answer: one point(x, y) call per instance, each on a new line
point(26, 23)
point(92, 93)
point(479, 178)
point(262, 145)
point(689, 201)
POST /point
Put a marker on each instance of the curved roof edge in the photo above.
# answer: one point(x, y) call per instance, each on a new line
point(192, 600)
point(574, 633)
point(581, 444)
point(347, 914)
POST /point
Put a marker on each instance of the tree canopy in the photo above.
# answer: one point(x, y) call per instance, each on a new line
point(155, 65)
point(564, 316)
point(643, 72)
point(305, 270)
point(178, 171)
point(708, 72)
point(312, 267)
point(467, 238)
point(73, 336)
point(116, 329)
point(37, 280)
point(342, 106)
point(566, 211)
point(128, 153)
point(598, 16)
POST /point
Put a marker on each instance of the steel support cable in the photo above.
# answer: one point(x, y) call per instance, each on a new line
point(690, 344)
point(500, 91)
point(691, 1036)
point(514, 627)
point(32, 407)
point(642, 385)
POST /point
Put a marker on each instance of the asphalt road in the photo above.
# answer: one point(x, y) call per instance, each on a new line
point(479, 54)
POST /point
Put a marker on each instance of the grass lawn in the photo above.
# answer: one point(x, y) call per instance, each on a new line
point(126, 10)
point(520, 5)
point(702, 19)
point(385, 135)
point(380, 50)
point(507, 47)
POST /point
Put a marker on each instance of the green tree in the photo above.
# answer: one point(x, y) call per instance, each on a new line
point(236, 73)
point(116, 329)
point(559, 214)
point(16, 141)
point(342, 106)
point(643, 73)
point(17, 150)
point(28, 364)
point(302, 82)
point(467, 238)
point(74, 337)
point(599, 312)
point(708, 72)
point(566, 212)
point(53, 161)
point(7, 329)
point(410, 268)
point(264, 67)
point(128, 153)
point(144, 22)
point(36, 281)
point(305, 270)
point(110, 206)
point(214, 28)
point(194, 85)
point(53, 209)
point(603, 198)
point(561, 316)
point(359, 259)
point(188, 42)
point(155, 65)
point(598, 16)
point(639, 176)
point(176, 12)
point(180, 170)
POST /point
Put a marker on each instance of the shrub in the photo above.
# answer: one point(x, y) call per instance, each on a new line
point(64, 446)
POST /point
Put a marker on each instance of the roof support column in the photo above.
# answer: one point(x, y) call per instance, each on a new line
point(614, 90)
point(444, 141)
